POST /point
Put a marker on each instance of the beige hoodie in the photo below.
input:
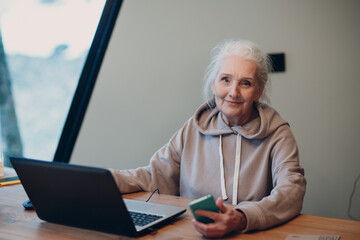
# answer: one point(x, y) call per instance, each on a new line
point(254, 166)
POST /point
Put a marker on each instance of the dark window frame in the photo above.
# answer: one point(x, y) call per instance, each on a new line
point(87, 81)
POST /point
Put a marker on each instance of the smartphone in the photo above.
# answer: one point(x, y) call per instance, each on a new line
point(4, 181)
point(205, 203)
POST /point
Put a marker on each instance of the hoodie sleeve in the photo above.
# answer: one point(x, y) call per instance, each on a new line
point(286, 197)
point(162, 173)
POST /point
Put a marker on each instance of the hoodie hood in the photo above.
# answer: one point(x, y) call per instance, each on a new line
point(208, 121)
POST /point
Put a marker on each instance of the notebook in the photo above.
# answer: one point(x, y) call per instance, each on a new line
point(86, 197)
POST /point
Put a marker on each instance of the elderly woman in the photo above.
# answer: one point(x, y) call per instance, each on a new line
point(235, 148)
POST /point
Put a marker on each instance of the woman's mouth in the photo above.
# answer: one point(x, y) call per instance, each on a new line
point(232, 103)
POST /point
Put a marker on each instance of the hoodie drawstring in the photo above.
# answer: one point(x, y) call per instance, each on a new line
point(236, 170)
point(222, 172)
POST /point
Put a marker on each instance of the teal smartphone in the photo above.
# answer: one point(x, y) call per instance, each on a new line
point(205, 203)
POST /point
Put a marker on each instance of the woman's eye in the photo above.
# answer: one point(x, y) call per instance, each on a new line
point(225, 79)
point(245, 83)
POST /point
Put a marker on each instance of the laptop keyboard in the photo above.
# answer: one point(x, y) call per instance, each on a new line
point(141, 219)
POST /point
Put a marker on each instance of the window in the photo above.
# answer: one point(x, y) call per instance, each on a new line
point(43, 47)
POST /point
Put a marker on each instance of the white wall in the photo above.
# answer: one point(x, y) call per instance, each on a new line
point(150, 83)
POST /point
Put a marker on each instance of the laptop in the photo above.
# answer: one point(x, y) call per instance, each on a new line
point(86, 197)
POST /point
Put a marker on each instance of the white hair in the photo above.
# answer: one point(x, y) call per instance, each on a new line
point(241, 48)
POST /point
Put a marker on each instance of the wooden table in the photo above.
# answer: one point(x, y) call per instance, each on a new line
point(17, 223)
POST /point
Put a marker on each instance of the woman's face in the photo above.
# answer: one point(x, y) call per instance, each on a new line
point(236, 88)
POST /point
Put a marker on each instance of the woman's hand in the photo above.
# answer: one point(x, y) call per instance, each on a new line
point(226, 221)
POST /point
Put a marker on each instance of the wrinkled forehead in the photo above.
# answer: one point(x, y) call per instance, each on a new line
point(238, 66)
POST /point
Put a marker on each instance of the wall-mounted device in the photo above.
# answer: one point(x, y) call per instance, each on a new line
point(277, 61)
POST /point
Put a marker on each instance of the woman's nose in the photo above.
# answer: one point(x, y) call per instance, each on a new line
point(234, 91)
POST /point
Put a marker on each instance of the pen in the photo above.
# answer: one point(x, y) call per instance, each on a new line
point(9, 183)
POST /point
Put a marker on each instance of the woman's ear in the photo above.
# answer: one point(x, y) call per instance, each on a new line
point(213, 87)
point(259, 94)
